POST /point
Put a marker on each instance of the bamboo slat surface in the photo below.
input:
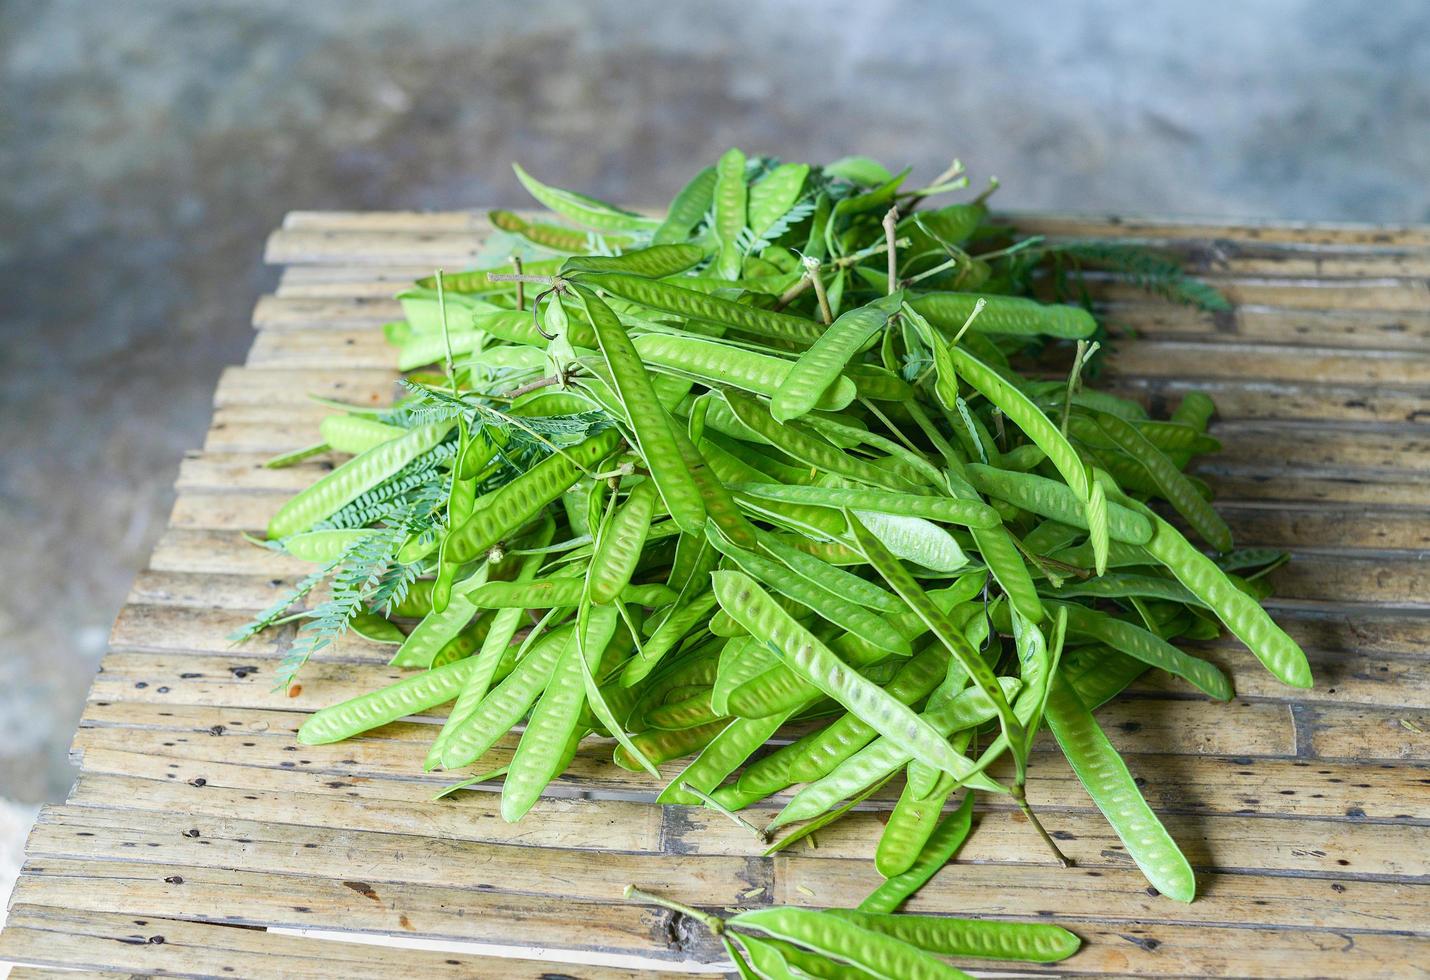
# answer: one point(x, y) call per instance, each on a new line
point(201, 839)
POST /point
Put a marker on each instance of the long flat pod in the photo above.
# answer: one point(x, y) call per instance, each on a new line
point(726, 753)
point(940, 848)
point(438, 627)
point(715, 363)
point(655, 262)
point(506, 508)
point(670, 298)
point(505, 705)
point(1136, 642)
point(1004, 314)
point(731, 195)
point(823, 363)
point(1173, 485)
point(620, 543)
point(688, 208)
point(584, 210)
point(880, 955)
point(943, 628)
point(1057, 501)
point(499, 637)
point(1251, 624)
point(882, 757)
point(798, 648)
point(807, 446)
point(367, 711)
point(353, 479)
point(1105, 777)
point(1030, 942)
point(836, 609)
point(969, 513)
point(648, 418)
point(539, 754)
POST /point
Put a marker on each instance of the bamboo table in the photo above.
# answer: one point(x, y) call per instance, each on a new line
point(197, 822)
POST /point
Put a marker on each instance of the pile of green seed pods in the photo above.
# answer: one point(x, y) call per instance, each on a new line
point(800, 484)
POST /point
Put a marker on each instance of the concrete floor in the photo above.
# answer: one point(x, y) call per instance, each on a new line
point(146, 148)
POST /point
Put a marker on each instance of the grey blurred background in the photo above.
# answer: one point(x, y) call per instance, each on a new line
point(147, 148)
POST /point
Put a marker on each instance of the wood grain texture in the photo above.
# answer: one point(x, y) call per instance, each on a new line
point(201, 839)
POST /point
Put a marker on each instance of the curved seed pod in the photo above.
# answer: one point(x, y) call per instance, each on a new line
point(1173, 485)
point(1030, 942)
point(830, 577)
point(741, 660)
point(655, 262)
point(878, 384)
point(883, 757)
point(688, 208)
point(681, 621)
point(1194, 411)
point(1105, 777)
point(1136, 642)
point(940, 848)
point(1099, 526)
point(720, 506)
point(1123, 585)
point(353, 479)
point(821, 366)
point(1247, 621)
point(439, 626)
point(714, 363)
point(730, 205)
point(648, 418)
point(781, 687)
point(800, 650)
point(505, 705)
point(911, 823)
point(540, 755)
point(841, 612)
point(1021, 411)
point(914, 539)
point(417, 602)
point(727, 752)
point(620, 543)
point(670, 298)
point(969, 513)
point(662, 746)
point(584, 210)
point(772, 196)
point(356, 434)
point(806, 446)
point(938, 621)
point(841, 738)
point(478, 281)
point(554, 237)
point(505, 509)
point(323, 546)
point(880, 955)
point(367, 711)
point(686, 713)
point(1004, 314)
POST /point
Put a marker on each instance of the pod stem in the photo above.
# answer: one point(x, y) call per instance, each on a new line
point(725, 811)
point(520, 284)
point(811, 268)
point(712, 922)
point(1020, 797)
point(891, 223)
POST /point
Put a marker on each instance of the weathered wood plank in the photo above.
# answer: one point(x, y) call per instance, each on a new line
point(1234, 843)
point(298, 901)
point(118, 940)
point(194, 742)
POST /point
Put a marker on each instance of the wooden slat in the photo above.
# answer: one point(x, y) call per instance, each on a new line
point(118, 939)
